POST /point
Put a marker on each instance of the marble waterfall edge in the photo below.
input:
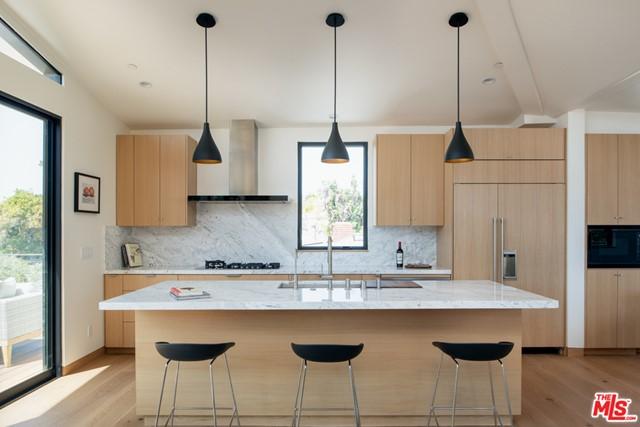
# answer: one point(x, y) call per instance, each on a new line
point(260, 233)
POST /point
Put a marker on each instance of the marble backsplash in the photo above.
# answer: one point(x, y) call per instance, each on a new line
point(260, 233)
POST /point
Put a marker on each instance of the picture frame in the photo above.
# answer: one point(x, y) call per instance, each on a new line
point(86, 194)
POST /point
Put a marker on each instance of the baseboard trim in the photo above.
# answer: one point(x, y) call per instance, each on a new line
point(119, 350)
point(76, 365)
point(610, 351)
point(574, 352)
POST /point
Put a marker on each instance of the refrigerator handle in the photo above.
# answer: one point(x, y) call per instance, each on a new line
point(495, 242)
point(501, 249)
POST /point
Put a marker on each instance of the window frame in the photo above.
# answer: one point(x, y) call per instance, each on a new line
point(52, 266)
point(365, 198)
point(54, 74)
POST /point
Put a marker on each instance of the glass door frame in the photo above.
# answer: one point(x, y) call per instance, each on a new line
point(52, 266)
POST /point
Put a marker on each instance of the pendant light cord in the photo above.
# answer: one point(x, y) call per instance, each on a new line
point(335, 73)
point(206, 77)
point(458, 73)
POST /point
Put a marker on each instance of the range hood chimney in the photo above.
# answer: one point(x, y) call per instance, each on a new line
point(243, 168)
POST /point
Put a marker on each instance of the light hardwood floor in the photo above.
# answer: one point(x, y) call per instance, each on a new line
point(557, 391)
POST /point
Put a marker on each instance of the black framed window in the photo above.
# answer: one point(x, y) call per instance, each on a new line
point(30, 325)
point(14, 46)
point(332, 198)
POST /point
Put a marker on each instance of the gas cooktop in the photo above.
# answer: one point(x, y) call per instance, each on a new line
point(221, 265)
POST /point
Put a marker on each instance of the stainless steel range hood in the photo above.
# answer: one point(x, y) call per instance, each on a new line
point(243, 168)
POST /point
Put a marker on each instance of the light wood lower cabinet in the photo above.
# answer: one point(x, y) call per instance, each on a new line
point(612, 319)
point(119, 326)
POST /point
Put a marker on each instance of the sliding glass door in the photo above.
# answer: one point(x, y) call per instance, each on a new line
point(29, 247)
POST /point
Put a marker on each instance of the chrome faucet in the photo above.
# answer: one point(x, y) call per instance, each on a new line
point(295, 269)
point(329, 275)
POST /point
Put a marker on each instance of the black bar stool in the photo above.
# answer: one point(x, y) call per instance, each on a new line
point(472, 352)
point(325, 353)
point(195, 353)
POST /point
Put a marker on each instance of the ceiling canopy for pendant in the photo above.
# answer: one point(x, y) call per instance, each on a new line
point(459, 150)
point(334, 150)
point(206, 151)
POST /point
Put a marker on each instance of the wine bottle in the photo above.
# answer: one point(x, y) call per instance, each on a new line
point(399, 256)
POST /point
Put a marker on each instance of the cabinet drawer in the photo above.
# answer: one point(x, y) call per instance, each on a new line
point(236, 277)
point(133, 282)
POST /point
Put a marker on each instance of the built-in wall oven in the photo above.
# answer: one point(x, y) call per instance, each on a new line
point(613, 246)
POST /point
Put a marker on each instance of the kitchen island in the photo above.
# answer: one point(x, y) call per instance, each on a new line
point(394, 375)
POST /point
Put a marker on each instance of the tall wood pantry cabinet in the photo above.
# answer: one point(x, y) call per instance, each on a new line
point(154, 177)
point(505, 220)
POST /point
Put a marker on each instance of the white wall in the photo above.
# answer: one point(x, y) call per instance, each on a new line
point(576, 223)
point(88, 145)
point(608, 122)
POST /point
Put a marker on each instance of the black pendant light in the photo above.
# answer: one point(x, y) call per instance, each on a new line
point(206, 150)
point(334, 150)
point(459, 150)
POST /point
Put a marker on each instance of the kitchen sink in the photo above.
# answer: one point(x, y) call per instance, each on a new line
point(355, 284)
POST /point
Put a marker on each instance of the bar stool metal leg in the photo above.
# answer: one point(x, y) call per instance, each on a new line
point(493, 398)
point(164, 377)
point(233, 394)
point(356, 406)
point(300, 396)
point(432, 411)
point(295, 405)
point(455, 395)
point(175, 393)
point(506, 393)
point(213, 395)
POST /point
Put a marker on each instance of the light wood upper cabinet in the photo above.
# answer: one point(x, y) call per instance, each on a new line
point(613, 179)
point(393, 190)
point(602, 179)
point(516, 144)
point(146, 180)
point(177, 180)
point(629, 179)
point(410, 180)
point(601, 308)
point(155, 176)
point(427, 180)
point(124, 180)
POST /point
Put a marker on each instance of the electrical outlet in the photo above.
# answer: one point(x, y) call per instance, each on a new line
point(86, 252)
point(89, 330)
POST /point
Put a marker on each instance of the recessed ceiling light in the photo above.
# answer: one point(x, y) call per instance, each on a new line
point(132, 66)
point(145, 85)
point(488, 81)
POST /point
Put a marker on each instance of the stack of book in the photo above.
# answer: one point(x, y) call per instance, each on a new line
point(187, 293)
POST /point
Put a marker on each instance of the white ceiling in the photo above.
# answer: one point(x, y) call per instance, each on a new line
point(272, 60)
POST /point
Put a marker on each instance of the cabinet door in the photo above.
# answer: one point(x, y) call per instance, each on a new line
point(628, 179)
point(393, 200)
point(601, 308)
point(130, 283)
point(517, 144)
point(113, 326)
point(628, 314)
point(124, 180)
point(602, 179)
point(533, 226)
point(427, 180)
point(173, 180)
point(147, 180)
point(474, 208)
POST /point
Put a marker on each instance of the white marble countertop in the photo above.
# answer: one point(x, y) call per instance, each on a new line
point(286, 269)
point(265, 295)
